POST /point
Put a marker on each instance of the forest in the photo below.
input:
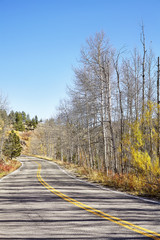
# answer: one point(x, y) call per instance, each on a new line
point(108, 127)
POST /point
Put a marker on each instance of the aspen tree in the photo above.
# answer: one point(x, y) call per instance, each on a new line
point(142, 38)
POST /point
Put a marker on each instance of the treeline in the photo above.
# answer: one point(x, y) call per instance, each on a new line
point(110, 120)
point(10, 125)
point(22, 121)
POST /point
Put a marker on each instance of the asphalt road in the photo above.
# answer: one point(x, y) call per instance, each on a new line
point(42, 201)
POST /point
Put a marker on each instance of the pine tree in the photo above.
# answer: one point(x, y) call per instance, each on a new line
point(12, 117)
point(12, 146)
point(19, 126)
point(23, 116)
point(34, 123)
point(36, 119)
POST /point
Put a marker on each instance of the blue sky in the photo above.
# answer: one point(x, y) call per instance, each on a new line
point(40, 41)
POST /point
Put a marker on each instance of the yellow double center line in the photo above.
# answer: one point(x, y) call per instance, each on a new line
point(97, 212)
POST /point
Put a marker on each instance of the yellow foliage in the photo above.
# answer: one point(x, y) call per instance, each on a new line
point(140, 142)
point(155, 169)
point(137, 135)
point(141, 160)
point(1, 124)
point(16, 132)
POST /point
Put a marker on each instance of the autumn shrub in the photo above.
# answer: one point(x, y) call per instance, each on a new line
point(82, 171)
point(124, 182)
point(26, 135)
point(134, 183)
point(8, 167)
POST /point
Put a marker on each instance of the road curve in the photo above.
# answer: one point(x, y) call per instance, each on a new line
point(41, 201)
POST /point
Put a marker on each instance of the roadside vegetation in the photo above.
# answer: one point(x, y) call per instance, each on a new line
point(131, 183)
point(108, 128)
point(12, 126)
point(8, 166)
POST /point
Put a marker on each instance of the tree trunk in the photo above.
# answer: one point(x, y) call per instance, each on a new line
point(158, 113)
point(143, 70)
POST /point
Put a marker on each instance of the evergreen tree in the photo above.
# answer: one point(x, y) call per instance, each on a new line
point(12, 117)
point(36, 119)
point(28, 121)
point(28, 117)
point(23, 116)
point(33, 123)
point(18, 125)
point(12, 146)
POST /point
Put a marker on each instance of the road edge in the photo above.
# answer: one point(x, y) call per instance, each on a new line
point(96, 184)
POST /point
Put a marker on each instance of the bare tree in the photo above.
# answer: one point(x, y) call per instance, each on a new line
point(116, 66)
point(158, 112)
point(142, 38)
